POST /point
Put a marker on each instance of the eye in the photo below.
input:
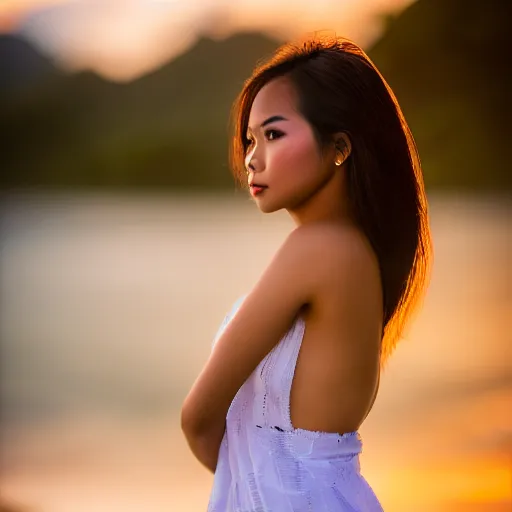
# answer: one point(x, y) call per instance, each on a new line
point(277, 134)
point(269, 134)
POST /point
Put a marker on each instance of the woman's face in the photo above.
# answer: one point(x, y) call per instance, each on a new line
point(283, 153)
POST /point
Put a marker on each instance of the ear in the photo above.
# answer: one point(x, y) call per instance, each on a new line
point(343, 145)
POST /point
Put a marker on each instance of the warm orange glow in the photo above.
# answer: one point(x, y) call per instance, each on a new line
point(13, 11)
point(95, 462)
point(448, 481)
point(122, 40)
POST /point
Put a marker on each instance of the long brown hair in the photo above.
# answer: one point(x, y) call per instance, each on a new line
point(340, 89)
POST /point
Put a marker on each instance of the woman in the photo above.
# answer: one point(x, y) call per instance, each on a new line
point(296, 364)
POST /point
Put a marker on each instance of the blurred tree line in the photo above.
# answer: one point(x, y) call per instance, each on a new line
point(444, 59)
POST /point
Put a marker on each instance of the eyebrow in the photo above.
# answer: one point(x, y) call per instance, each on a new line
point(271, 119)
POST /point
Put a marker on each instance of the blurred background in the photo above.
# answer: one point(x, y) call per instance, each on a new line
point(124, 242)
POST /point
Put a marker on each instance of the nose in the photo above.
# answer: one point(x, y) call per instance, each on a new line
point(250, 167)
point(251, 162)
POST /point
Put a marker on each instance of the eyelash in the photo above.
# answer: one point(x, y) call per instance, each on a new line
point(279, 134)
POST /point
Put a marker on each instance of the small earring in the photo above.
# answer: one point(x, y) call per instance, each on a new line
point(338, 145)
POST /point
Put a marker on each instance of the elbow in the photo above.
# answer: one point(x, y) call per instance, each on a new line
point(198, 423)
point(192, 433)
point(188, 421)
point(192, 424)
point(201, 442)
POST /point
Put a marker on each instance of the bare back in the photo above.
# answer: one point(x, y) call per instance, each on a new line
point(338, 370)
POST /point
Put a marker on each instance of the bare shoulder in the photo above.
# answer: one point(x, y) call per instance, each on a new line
point(339, 253)
point(332, 237)
point(345, 285)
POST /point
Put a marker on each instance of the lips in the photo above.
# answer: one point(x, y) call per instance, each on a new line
point(257, 189)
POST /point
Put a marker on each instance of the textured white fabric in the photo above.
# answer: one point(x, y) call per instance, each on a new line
point(266, 465)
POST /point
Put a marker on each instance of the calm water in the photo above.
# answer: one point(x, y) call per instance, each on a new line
point(108, 308)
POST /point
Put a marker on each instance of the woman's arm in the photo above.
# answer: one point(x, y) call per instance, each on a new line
point(307, 258)
point(206, 447)
point(207, 450)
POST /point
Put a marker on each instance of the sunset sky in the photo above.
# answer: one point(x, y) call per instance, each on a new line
point(123, 39)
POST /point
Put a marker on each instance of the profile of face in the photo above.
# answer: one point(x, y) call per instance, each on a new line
point(283, 153)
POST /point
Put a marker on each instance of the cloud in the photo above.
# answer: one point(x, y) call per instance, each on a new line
point(13, 12)
point(119, 39)
point(122, 39)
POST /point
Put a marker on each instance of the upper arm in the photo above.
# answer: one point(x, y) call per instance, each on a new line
point(263, 318)
point(226, 320)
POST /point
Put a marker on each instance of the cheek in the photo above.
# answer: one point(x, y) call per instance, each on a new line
point(298, 154)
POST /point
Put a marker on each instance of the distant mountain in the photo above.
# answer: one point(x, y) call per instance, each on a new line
point(445, 60)
point(22, 66)
point(168, 128)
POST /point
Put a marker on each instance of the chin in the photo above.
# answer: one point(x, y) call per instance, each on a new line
point(267, 207)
